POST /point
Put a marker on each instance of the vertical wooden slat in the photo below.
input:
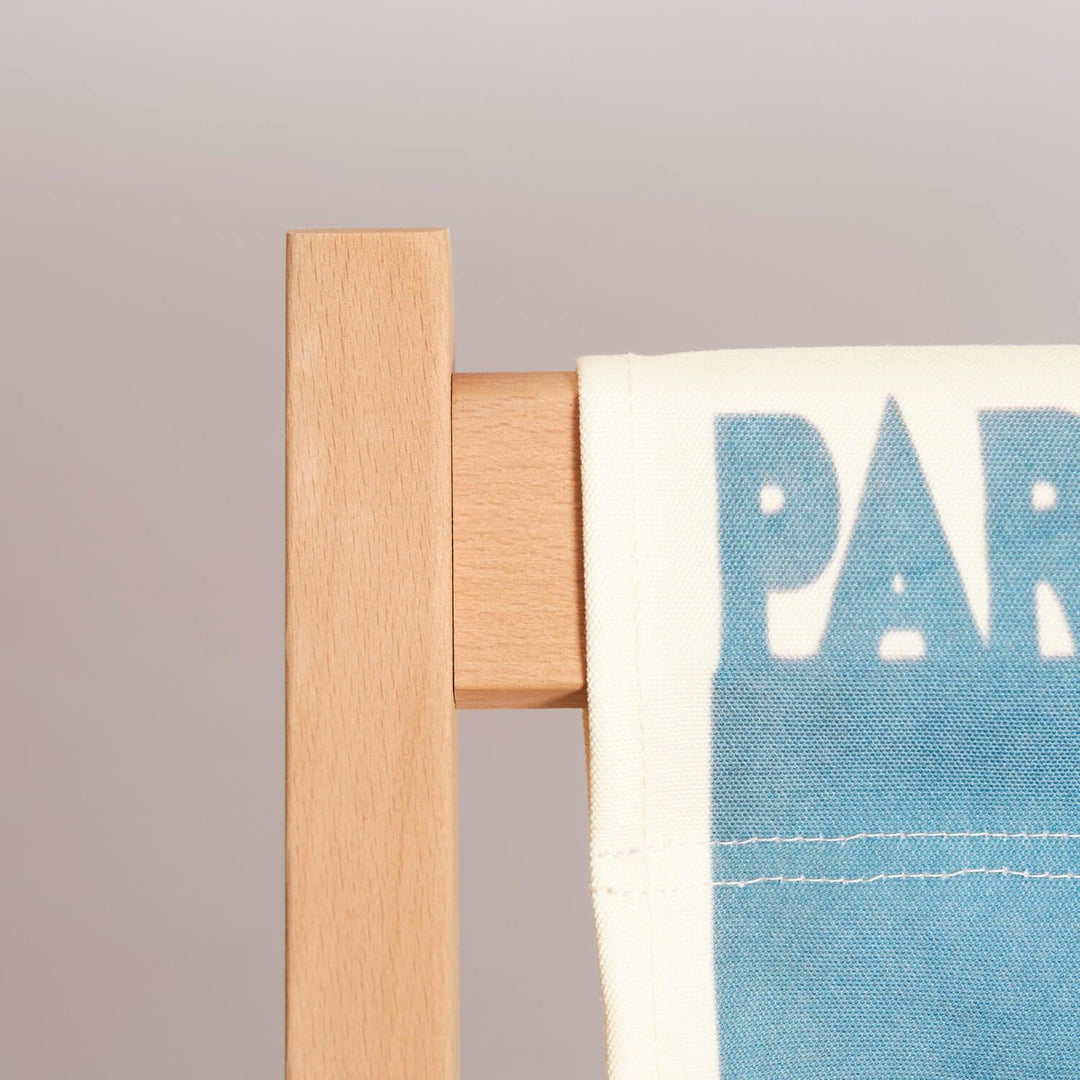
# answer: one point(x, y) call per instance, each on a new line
point(371, 849)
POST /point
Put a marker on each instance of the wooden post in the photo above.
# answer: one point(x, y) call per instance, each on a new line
point(371, 778)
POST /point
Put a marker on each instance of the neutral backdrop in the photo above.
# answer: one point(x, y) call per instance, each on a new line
point(617, 176)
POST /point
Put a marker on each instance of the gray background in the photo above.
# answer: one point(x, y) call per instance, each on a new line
point(617, 176)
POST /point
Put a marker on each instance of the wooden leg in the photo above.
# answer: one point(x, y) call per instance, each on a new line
point(371, 778)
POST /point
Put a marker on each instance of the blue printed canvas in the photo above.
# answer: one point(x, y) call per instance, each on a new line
point(835, 711)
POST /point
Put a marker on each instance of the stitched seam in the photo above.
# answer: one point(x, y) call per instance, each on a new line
point(903, 875)
point(983, 834)
point(639, 705)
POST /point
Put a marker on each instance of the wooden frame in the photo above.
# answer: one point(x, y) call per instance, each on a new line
point(414, 573)
point(519, 596)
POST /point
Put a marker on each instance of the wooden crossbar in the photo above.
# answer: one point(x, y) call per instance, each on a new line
point(519, 598)
point(433, 553)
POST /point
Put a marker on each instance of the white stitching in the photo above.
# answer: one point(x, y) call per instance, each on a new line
point(984, 834)
point(1044, 875)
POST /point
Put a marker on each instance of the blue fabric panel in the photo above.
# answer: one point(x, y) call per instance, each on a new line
point(896, 845)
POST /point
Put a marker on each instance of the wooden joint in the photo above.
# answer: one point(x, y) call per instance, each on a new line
point(519, 598)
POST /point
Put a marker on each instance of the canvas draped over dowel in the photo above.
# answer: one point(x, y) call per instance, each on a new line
point(834, 711)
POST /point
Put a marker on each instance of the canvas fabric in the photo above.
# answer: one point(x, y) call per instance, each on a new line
point(834, 711)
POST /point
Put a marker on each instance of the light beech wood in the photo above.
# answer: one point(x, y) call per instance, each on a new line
point(386, 623)
point(371, 846)
point(519, 610)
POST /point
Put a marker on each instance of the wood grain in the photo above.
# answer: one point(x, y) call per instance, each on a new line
point(519, 609)
point(371, 853)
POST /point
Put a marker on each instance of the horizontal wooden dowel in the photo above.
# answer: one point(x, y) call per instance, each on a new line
point(519, 606)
